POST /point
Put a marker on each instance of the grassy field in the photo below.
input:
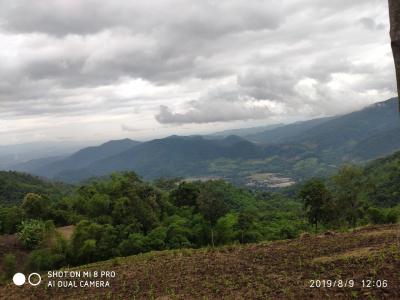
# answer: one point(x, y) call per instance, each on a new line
point(275, 270)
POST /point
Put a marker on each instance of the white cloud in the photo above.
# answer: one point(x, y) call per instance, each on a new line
point(147, 64)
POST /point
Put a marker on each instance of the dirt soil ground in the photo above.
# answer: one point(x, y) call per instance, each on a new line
point(275, 270)
point(9, 244)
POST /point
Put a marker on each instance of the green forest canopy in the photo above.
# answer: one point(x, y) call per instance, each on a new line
point(124, 215)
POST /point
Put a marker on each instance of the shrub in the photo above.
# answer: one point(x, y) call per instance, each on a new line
point(380, 216)
point(133, 245)
point(376, 215)
point(32, 233)
point(9, 264)
point(44, 259)
point(155, 240)
point(287, 232)
point(36, 206)
point(88, 251)
point(392, 217)
point(10, 218)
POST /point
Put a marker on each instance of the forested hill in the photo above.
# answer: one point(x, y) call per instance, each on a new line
point(383, 180)
point(299, 151)
point(125, 215)
point(284, 133)
point(80, 159)
point(346, 130)
point(14, 186)
point(359, 136)
point(172, 156)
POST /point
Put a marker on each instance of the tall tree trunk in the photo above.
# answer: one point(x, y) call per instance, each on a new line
point(394, 11)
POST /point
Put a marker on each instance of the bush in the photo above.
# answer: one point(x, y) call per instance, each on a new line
point(32, 233)
point(10, 218)
point(376, 216)
point(380, 216)
point(9, 264)
point(44, 259)
point(155, 240)
point(36, 206)
point(287, 232)
point(88, 251)
point(133, 245)
point(392, 217)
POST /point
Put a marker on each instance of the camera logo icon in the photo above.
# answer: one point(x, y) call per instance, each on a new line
point(34, 279)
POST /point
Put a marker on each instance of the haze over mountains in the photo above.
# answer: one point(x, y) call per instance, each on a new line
point(298, 150)
point(10, 155)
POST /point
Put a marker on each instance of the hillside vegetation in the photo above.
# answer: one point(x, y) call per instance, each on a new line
point(384, 180)
point(300, 150)
point(14, 186)
point(277, 270)
point(125, 215)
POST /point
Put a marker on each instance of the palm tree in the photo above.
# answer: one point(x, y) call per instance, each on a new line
point(394, 10)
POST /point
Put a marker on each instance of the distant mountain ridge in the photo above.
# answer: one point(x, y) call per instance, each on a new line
point(285, 133)
point(243, 132)
point(359, 136)
point(78, 160)
point(171, 156)
point(299, 150)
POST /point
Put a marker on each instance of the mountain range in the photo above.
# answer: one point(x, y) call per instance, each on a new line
point(298, 150)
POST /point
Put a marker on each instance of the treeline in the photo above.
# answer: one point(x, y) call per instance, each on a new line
point(353, 196)
point(15, 185)
point(125, 215)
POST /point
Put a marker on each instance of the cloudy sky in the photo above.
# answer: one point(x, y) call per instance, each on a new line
point(98, 70)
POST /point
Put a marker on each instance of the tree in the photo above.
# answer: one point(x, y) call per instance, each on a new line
point(10, 218)
point(155, 240)
point(315, 197)
point(225, 229)
point(105, 238)
point(178, 232)
point(98, 205)
point(245, 221)
point(376, 215)
point(394, 10)
point(36, 206)
point(166, 184)
point(349, 192)
point(135, 244)
point(185, 194)
point(32, 233)
point(211, 202)
point(88, 251)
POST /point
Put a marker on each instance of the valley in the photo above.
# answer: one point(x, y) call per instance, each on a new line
point(199, 150)
point(232, 229)
point(295, 151)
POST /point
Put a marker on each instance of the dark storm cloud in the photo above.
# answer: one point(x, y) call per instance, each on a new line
point(205, 19)
point(325, 64)
point(96, 42)
point(235, 59)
